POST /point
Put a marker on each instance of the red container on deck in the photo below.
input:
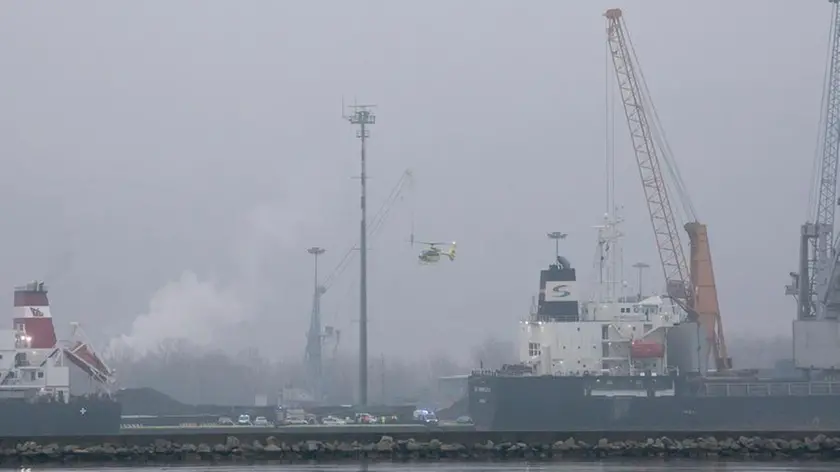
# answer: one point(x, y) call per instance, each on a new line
point(646, 350)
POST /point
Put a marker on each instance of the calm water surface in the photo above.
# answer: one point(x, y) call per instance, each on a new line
point(611, 466)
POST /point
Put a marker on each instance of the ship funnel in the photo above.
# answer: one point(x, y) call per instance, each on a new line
point(558, 298)
point(32, 315)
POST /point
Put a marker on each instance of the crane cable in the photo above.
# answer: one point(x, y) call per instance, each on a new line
point(373, 227)
point(406, 183)
point(816, 166)
point(658, 135)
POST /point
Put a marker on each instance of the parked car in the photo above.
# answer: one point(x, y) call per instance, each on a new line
point(425, 417)
point(295, 422)
point(225, 421)
point(365, 418)
point(333, 421)
point(261, 421)
point(464, 420)
point(244, 420)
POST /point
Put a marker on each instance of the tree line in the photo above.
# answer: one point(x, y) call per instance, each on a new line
point(200, 376)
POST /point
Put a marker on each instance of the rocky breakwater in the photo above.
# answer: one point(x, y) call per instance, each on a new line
point(387, 449)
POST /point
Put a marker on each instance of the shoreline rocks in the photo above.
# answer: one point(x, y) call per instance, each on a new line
point(162, 451)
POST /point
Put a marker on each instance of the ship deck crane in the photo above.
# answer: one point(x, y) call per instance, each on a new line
point(692, 288)
point(816, 285)
point(816, 261)
point(316, 334)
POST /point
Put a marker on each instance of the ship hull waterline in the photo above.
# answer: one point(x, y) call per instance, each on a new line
point(556, 404)
point(82, 417)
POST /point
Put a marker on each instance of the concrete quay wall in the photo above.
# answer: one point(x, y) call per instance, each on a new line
point(365, 434)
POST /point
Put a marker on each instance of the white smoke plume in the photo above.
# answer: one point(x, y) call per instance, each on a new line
point(263, 275)
point(187, 308)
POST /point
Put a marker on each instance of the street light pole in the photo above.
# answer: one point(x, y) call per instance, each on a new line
point(556, 236)
point(316, 251)
point(363, 117)
point(314, 348)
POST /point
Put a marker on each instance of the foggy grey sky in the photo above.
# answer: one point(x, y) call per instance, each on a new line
point(146, 140)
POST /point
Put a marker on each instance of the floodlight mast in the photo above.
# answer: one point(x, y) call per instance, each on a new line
point(363, 117)
point(557, 236)
point(314, 341)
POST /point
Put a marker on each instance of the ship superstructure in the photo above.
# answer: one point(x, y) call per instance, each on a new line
point(33, 362)
point(609, 335)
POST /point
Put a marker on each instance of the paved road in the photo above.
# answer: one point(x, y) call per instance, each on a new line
point(292, 429)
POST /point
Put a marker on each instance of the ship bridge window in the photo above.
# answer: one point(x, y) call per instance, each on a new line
point(534, 349)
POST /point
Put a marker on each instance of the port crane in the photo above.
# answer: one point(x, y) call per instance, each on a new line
point(692, 287)
point(816, 284)
point(316, 334)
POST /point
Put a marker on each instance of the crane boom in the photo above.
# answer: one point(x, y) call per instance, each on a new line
point(662, 218)
point(692, 287)
point(831, 138)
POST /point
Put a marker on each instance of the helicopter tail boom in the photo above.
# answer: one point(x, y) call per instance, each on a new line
point(451, 252)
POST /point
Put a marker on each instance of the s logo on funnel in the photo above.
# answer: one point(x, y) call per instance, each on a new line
point(561, 291)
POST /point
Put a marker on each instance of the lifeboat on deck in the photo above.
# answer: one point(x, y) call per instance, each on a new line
point(83, 355)
point(646, 350)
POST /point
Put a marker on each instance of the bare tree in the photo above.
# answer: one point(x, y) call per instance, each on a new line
point(197, 376)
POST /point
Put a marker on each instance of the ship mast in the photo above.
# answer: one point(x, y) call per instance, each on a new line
point(609, 254)
point(609, 260)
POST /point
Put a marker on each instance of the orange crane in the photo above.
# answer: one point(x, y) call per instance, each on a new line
point(691, 287)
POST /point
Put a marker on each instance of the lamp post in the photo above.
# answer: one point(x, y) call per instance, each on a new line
point(363, 117)
point(314, 349)
point(316, 251)
point(556, 236)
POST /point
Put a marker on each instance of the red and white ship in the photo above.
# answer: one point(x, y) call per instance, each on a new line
point(35, 370)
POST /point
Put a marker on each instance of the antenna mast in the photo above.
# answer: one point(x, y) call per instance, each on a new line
point(363, 117)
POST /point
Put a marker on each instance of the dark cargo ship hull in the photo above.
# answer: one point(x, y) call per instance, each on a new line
point(80, 417)
point(561, 404)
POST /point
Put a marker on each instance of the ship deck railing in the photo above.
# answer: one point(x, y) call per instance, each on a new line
point(770, 389)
